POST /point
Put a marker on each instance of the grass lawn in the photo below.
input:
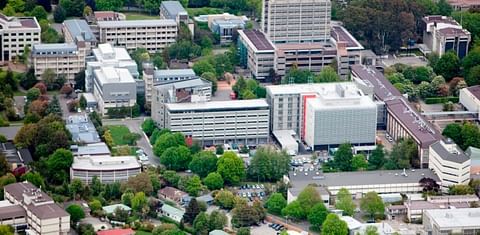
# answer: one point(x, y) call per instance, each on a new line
point(140, 16)
point(142, 233)
point(118, 132)
point(204, 11)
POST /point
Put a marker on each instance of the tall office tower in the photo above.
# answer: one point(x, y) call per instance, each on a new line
point(296, 21)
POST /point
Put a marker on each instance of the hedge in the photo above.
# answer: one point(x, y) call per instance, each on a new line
point(441, 100)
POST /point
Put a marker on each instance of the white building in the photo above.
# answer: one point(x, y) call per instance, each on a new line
point(442, 34)
point(339, 110)
point(153, 35)
point(219, 122)
point(16, 33)
point(470, 98)
point(108, 56)
point(66, 59)
point(450, 163)
point(44, 216)
point(452, 221)
point(108, 169)
point(257, 53)
point(114, 88)
point(286, 21)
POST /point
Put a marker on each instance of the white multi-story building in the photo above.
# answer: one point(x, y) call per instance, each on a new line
point(16, 33)
point(257, 53)
point(114, 88)
point(108, 56)
point(66, 59)
point(452, 221)
point(286, 21)
point(108, 169)
point(44, 216)
point(442, 34)
point(470, 98)
point(339, 110)
point(450, 163)
point(153, 35)
point(219, 122)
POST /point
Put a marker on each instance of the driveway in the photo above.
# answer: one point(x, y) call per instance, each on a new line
point(135, 125)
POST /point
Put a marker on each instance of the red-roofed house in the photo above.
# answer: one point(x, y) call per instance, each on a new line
point(127, 231)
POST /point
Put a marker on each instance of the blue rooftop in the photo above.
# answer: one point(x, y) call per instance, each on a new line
point(173, 8)
point(54, 48)
point(79, 29)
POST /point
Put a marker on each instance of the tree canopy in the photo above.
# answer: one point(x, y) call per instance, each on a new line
point(231, 168)
point(268, 164)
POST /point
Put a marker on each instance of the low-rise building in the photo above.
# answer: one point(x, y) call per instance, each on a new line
point(13, 215)
point(464, 5)
point(16, 158)
point(173, 10)
point(78, 32)
point(82, 129)
point(153, 35)
point(450, 163)
point(469, 97)
point(172, 212)
point(95, 149)
point(110, 209)
point(219, 122)
point(44, 216)
point(224, 24)
point(452, 221)
point(17, 33)
point(442, 34)
point(193, 90)
point(114, 88)
point(108, 169)
point(173, 194)
point(66, 59)
point(416, 209)
point(356, 227)
point(257, 53)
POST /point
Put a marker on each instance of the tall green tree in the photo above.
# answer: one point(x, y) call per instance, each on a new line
point(372, 204)
point(148, 126)
point(317, 216)
point(343, 157)
point(404, 153)
point(359, 163)
point(76, 213)
point(294, 211)
point(200, 224)
point(377, 158)
point(203, 163)
point(275, 203)
point(328, 74)
point(333, 225)
point(176, 158)
point(268, 164)
point(213, 181)
point(344, 202)
point(231, 168)
point(166, 141)
point(308, 198)
point(448, 66)
point(39, 12)
point(191, 211)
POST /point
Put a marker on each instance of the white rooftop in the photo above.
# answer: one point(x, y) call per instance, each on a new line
point(218, 105)
point(113, 75)
point(106, 52)
point(105, 163)
point(455, 218)
point(307, 88)
point(351, 222)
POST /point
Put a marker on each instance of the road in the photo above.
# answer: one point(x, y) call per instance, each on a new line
point(134, 125)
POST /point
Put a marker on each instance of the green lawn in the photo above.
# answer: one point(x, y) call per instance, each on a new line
point(140, 16)
point(204, 11)
point(142, 233)
point(118, 132)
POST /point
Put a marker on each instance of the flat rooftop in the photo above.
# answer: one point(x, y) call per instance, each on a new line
point(373, 78)
point(314, 88)
point(54, 49)
point(219, 105)
point(111, 75)
point(257, 40)
point(174, 73)
point(455, 218)
point(80, 28)
point(185, 83)
point(136, 23)
point(14, 22)
point(305, 46)
point(105, 163)
point(340, 34)
point(457, 156)
point(475, 90)
point(107, 52)
point(91, 149)
point(173, 7)
point(339, 179)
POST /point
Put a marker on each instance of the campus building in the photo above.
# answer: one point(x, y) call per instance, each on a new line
point(108, 169)
point(16, 33)
point(286, 21)
point(452, 221)
point(442, 34)
point(464, 5)
point(397, 115)
point(219, 122)
point(324, 115)
point(66, 59)
point(78, 32)
point(469, 97)
point(173, 10)
point(450, 163)
point(43, 215)
point(192, 90)
point(82, 129)
point(257, 53)
point(108, 56)
point(153, 35)
point(223, 25)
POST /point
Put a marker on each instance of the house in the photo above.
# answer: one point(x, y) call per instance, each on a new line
point(111, 209)
point(16, 158)
point(172, 212)
point(172, 194)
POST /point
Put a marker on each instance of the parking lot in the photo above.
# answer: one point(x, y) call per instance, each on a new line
point(252, 191)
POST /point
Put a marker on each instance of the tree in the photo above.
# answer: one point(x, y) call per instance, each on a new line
point(194, 185)
point(4, 166)
point(176, 158)
point(275, 203)
point(33, 177)
point(39, 12)
point(343, 157)
point(140, 183)
point(139, 201)
point(95, 205)
point(18, 5)
point(191, 211)
point(203, 66)
point(444, 8)
point(448, 66)
point(8, 10)
point(344, 202)
point(231, 168)
point(243, 231)
point(203, 163)
point(333, 225)
point(86, 229)
point(213, 181)
point(317, 215)
point(294, 211)
point(66, 89)
point(59, 14)
point(80, 80)
point(471, 136)
point(58, 165)
point(73, 7)
point(460, 189)
point(108, 5)
point(33, 94)
point(327, 74)
point(127, 198)
point(211, 77)
point(308, 198)
point(166, 141)
point(6, 229)
point(76, 213)
point(372, 204)
point(200, 224)
point(148, 126)
point(269, 164)
point(429, 186)
point(244, 215)
point(224, 199)
point(473, 76)
point(219, 149)
point(404, 153)
point(217, 220)
point(377, 158)
point(359, 162)
point(108, 138)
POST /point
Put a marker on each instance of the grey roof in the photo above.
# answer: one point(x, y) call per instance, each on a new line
point(205, 198)
point(14, 155)
point(136, 23)
point(173, 8)
point(110, 209)
point(458, 157)
point(216, 106)
point(186, 83)
point(82, 129)
point(91, 149)
point(53, 49)
point(360, 178)
point(13, 211)
point(173, 73)
point(10, 131)
point(80, 28)
point(172, 210)
point(475, 90)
